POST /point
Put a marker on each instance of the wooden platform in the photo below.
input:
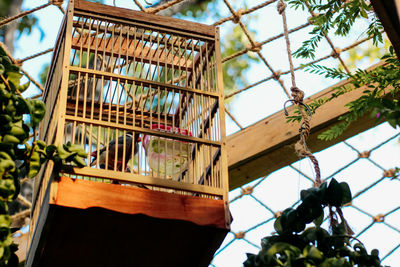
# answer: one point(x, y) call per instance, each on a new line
point(85, 223)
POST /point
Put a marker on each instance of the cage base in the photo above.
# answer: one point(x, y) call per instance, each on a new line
point(84, 226)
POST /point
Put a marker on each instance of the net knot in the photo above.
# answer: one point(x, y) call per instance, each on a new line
point(389, 173)
point(276, 75)
point(379, 218)
point(336, 52)
point(237, 15)
point(277, 214)
point(18, 62)
point(57, 2)
point(247, 191)
point(297, 94)
point(240, 235)
point(364, 154)
point(254, 48)
point(281, 7)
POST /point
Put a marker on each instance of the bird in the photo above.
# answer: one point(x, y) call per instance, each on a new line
point(121, 152)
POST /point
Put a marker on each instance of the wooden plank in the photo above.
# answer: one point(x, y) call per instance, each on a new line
point(149, 19)
point(141, 179)
point(389, 13)
point(81, 194)
point(113, 46)
point(268, 145)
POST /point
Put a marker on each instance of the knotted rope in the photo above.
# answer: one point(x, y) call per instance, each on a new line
point(298, 96)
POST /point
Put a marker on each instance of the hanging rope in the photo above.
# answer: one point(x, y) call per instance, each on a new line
point(298, 95)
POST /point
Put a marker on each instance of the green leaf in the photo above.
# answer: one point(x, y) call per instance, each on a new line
point(23, 87)
point(319, 220)
point(78, 149)
point(34, 164)
point(313, 253)
point(79, 161)
point(37, 110)
point(10, 139)
point(65, 154)
point(334, 194)
point(346, 193)
point(13, 78)
point(278, 226)
point(50, 151)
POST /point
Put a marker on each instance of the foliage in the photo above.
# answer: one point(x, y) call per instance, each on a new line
point(25, 24)
point(293, 245)
point(369, 53)
point(380, 99)
point(337, 16)
point(235, 69)
point(197, 8)
point(17, 146)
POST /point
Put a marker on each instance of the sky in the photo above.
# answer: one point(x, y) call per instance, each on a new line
point(256, 104)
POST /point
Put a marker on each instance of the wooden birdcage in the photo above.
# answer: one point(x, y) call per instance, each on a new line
point(143, 95)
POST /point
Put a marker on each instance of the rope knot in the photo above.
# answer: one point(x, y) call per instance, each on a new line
point(57, 2)
point(389, 173)
point(364, 154)
point(247, 191)
point(281, 7)
point(237, 15)
point(18, 62)
point(297, 94)
point(239, 235)
point(336, 52)
point(379, 218)
point(254, 48)
point(276, 75)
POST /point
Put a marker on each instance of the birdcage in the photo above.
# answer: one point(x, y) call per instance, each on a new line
point(142, 94)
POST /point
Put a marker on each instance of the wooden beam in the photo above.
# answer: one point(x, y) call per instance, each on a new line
point(268, 145)
point(149, 19)
point(81, 194)
point(388, 12)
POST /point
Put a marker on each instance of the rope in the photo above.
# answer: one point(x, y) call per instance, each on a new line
point(244, 12)
point(281, 10)
point(38, 85)
point(152, 10)
point(298, 95)
point(22, 14)
point(139, 5)
point(20, 61)
point(233, 118)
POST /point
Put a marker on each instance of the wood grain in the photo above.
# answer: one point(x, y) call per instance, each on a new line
point(83, 194)
point(149, 19)
point(268, 145)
